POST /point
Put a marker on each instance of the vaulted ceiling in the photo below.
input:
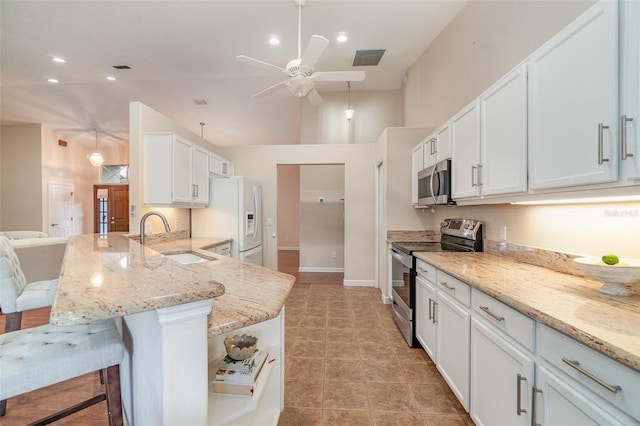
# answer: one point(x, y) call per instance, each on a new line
point(181, 51)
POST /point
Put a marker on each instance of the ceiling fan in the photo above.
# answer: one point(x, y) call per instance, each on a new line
point(301, 76)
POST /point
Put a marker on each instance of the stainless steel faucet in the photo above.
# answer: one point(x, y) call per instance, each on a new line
point(144, 219)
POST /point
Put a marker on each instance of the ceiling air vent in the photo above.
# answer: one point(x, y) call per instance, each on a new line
point(122, 67)
point(368, 57)
point(200, 102)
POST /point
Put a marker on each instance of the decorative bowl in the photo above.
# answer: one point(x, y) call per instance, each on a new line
point(614, 277)
point(240, 347)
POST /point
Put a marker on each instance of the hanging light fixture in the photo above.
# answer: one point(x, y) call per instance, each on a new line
point(96, 158)
point(349, 111)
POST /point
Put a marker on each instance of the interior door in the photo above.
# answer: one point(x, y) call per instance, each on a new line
point(111, 208)
point(60, 210)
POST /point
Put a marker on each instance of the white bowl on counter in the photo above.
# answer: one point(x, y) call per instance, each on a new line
point(613, 277)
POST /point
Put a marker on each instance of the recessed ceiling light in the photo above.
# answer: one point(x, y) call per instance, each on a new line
point(52, 80)
point(274, 40)
point(342, 37)
point(111, 78)
point(58, 59)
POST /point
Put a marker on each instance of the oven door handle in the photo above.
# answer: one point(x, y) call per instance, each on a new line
point(398, 312)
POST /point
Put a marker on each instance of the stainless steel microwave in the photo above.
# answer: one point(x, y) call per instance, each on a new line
point(434, 184)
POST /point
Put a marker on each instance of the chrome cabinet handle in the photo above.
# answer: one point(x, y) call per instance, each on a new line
point(424, 271)
point(479, 174)
point(447, 286)
point(533, 406)
point(576, 366)
point(473, 174)
point(434, 146)
point(601, 158)
point(519, 409)
point(623, 137)
point(430, 310)
point(488, 311)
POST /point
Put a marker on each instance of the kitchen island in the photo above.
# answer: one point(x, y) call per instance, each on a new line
point(174, 319)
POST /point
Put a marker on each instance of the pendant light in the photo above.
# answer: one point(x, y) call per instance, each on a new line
point(349, 111)
point(96, 158)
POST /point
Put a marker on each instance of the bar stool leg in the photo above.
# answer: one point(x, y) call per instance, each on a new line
point(111, 377)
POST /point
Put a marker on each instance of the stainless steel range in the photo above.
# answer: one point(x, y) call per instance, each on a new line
point(456, 235)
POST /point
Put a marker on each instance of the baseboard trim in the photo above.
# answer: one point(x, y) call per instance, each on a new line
point(358, 283)
point(289, 248)
point(397, 283)
point(318, 269)
point(387, 300)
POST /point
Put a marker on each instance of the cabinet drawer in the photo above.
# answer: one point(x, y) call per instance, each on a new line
point(224, 249)
point(516, 325)
point(454, 287)
point(426, 271)
point(608, 379)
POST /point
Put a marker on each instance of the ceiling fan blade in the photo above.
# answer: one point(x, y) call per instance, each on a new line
point(269, 90)
point(314, 97)
point(316, 46)
point(339, 76)
point(259, 64)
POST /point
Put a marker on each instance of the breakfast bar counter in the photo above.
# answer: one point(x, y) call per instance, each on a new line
point(567, 303)
point(174, 317)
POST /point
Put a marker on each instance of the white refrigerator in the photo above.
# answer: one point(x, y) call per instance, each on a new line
point(235, 211)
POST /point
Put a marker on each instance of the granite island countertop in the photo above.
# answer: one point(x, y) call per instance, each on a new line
point(567, 303)
point(105, 277)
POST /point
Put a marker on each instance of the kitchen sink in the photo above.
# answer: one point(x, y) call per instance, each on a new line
point(189, 257)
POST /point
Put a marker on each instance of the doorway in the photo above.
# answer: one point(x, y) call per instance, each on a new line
point(60, 209)
point(110, 208)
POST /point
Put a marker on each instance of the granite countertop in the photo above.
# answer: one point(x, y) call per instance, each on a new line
point(104, 277)
point(567, 303)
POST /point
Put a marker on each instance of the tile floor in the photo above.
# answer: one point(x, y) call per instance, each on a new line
point(347, 363)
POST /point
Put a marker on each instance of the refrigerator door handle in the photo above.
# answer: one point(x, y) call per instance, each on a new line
point(256, 209)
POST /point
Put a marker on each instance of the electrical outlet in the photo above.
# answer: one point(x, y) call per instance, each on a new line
point(175, 225)
point(321, 200)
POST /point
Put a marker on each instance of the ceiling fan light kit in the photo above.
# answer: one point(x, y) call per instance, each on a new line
point(301, 76)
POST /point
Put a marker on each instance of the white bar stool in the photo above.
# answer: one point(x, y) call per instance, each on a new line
point(36, 357)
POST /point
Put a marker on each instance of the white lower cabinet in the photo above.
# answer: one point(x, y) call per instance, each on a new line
point(501, 379)
point(425, 315)
point(453, 346)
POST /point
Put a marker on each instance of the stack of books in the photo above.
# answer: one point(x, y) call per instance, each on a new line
point(239, 377)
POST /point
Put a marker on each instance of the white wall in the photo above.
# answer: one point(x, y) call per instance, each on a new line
point(321, 224)
point(288, 207)
point(374, 111)
point(261, 163)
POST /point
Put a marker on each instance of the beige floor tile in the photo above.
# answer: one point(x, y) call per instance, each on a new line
point(308, 349)
point(305, 368)
point(342, 350)
point(382, 371)
point(315, 312)
point(377, 352)
point(339, 312)
point(303, 393)
point(371, 335)
point(396, 419)
point(346, 418)
point(313, 322)
point(407, 354)
point(343, 369)
point(340, 323)
point(447, 420)
point(421, 372)
point(391, 397)
point(341, 335)
point(345, 395)
point(435, 398)
point(309, 333)
point(300, 417)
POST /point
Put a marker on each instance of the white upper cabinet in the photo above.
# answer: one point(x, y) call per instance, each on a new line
point(465, 132)
point(220, 167)
point(437, 146)
point(416, 165)
point(176, 172)
point(573, 103)
point(630, 91)
point(503, 138)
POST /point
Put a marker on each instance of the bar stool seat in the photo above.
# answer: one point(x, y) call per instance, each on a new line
point(36, 357)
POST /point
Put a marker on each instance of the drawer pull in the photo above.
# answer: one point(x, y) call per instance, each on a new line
point(519, 409)
point(424, 271)
point(447, 286)
point(576, 365)
point(488, 311)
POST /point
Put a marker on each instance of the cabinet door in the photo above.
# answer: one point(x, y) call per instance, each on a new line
point(563, 404)
point(573, 97)
point(501, 379)
point(200, 175)
point(452, 346)
point(416, 166)
point(630, 91)
point(466, 151)
point(503, 109)
point(215, 165)
point(182, 189)
point(425, 316)
point(430, 151)
point(443, 142)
